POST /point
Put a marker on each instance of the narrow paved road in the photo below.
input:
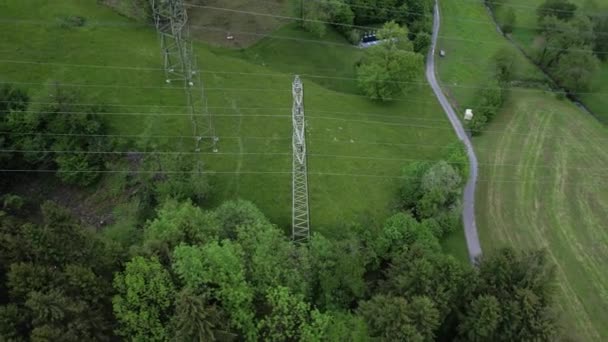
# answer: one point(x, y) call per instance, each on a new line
point(468, 210)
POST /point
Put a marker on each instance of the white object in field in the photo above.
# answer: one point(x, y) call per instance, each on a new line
point(468, 115)
point(442, 53)
point(230, 37)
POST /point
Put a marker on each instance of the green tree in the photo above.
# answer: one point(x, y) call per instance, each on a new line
point(69, 318)
point(341, 15)
point(340, 267)
point(177, 176)
point(456, 155)
point(177, 223)
point(600, 27)
point(477, 124)
point(420, 272)
point(401, 231)
point(508, 22)
point(441, 188)
point(14, 321)
point(411, 187)
point(395, 319)
point(314, 18)
point(315, 15)
point(194, 319)
point(561, 9)
point(481, 319)
point(232, 214)
point(217, 270)
point(422, 42)
point(290, 318)
point(575, 70)
point(79, 130)
point(504, 60)
point(560, 37)
point(388, 67)
point(523, 283)
point(345, 326)
point(419, 15)
point(490, 99)
point(271, 260)
point(145, 295)
point(12, 99)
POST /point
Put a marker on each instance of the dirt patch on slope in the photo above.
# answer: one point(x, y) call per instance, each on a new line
point(222, 19)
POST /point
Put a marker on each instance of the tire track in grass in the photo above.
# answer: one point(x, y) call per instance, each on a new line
point(564, 236)
point(561, 231)
point(527, 193)
point(541, 235)
point(527, 170)
point(239, 157)
point(590, 258)
point(239, 161)
point(595, 227)
point(585, 195)
point(560, 218)
point(495, 189)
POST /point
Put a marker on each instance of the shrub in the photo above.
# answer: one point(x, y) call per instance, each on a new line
point(422, 42)
point(73, 21)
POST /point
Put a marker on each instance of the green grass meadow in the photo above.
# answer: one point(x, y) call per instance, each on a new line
point(470, 40)
point(346, 133)
point(542, 173)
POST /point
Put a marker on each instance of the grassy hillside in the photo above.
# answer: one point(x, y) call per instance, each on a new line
point(541, 164)
point(470, 40)
point(246, 109)
point(524, 33)
point(544, 186)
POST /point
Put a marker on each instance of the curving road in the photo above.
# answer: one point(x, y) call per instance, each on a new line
point(468, 210)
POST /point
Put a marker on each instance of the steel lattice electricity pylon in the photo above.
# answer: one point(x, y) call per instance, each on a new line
point(170, 18)
point(300, 212)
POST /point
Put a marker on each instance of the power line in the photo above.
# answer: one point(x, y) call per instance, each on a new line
point(353, 79)
point(317, 140)
point(219, 115)
point(285, 173)
point(287, 154)
point(99, 104)
point(264, 35)
point(327, 141)
point(430, 15)
point(400, 124)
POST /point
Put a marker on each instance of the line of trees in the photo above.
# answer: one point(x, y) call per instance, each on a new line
point(570, 44)
point(33, 134)
point(229, 274)
point(351, 16)
point(492, 96)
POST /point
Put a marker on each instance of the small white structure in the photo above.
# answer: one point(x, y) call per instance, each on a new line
point(468, 114)
point(442, 53)
point(230, 37)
